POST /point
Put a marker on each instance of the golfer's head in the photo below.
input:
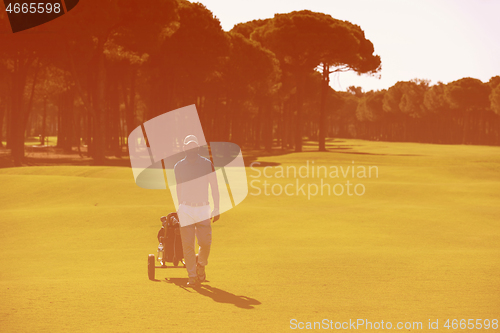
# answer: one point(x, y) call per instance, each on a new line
point(191, 146)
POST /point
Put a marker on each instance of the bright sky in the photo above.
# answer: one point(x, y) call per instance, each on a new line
point(440, 40)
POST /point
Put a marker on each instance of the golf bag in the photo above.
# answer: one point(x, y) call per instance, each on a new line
point(170, 241)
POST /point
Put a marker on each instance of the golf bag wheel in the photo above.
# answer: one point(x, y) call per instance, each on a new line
point(151, 266)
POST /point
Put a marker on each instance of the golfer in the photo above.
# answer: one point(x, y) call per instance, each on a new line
point(193, 174)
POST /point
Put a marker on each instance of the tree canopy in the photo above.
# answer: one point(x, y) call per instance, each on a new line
point(99, 71)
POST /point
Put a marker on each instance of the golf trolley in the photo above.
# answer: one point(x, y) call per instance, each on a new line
point(170, 247)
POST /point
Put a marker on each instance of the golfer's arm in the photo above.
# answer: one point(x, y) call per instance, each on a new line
point(212, 179)
point(178, 190)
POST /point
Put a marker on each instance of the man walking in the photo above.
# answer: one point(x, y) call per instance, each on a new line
point(193, 174)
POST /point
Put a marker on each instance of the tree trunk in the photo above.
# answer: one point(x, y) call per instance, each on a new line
point(465, 130)
point(44, 121)
point(8, 119)
point(322, 112)
point(17, 120)
point(65, 133)
point(298, 118)
point(268, 126)
point(258, 126)
point(2, 116)
point(27, 112)
point(130, 103)
point(98, 142)
point(114, 120)
point(286, 116)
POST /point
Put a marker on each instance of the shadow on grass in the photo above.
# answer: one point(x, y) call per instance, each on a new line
point(218, 295)
point(45, 156)
point(363, 153)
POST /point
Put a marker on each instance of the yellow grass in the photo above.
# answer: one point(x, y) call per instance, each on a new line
point(421, 243)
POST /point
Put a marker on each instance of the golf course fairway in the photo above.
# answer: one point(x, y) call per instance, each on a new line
point(421, 243)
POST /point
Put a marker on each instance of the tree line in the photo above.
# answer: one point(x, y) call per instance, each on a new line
point(465, 111)
point(104, 68)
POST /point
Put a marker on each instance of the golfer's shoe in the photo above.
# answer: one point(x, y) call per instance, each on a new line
point(193, 282)
point(200, 271)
